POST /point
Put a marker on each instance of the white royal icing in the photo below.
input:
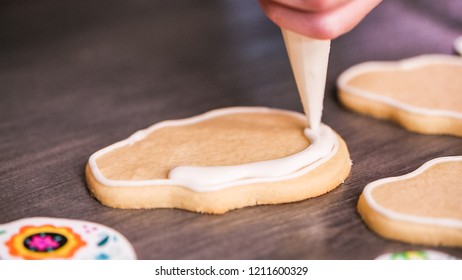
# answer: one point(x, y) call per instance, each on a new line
point(458, 45)
point(202, 179)
point(405, 64)
point(321, 144)
point(446, 222)
point(95, 241)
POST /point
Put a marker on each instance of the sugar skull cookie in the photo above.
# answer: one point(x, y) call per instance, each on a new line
point(51, 238)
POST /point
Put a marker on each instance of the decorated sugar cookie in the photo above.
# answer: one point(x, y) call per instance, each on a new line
point(51, 238)
point(423, 94)
point(416, 255)
point(422, 207)
point(219, 161)
point(458, 45)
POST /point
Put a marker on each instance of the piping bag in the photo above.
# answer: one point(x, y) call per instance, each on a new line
point(308, 59)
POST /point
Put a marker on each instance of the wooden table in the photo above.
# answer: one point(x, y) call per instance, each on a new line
point(76, 76)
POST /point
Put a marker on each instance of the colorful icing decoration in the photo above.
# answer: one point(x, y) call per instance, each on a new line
point(324, 145)
point(44, 242)
point(416, 255)
point(102, 256)
point(50, 238)
point(103, 241)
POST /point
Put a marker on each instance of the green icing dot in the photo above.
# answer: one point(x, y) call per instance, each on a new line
point(423, 255)
point(2, 231)
point(399, 256)
point(409, 255)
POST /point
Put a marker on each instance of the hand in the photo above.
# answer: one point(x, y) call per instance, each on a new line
point(319, 19)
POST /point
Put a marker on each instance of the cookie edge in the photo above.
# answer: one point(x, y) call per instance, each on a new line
point(408, 232)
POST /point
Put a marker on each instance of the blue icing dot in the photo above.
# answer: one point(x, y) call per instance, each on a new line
point(102, 256)
point(103, 241)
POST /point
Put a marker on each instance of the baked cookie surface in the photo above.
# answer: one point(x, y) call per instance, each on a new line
point(422, 94)
point(218, 161)
point(422, 207)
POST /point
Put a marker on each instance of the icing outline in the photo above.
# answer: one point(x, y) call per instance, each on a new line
point(44, 242)
point(405, 64)
point(141, 134)
point(197, 176)
point(445, 222)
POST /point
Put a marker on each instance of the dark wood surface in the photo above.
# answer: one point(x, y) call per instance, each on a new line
point(76, 76)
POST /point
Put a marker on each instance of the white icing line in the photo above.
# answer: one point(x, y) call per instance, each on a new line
point(405, 64)
point(458, 45)
point(321, 145)
point(201, 187)
point(446, 222)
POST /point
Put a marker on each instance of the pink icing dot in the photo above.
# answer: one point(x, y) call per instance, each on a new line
point(42, 243)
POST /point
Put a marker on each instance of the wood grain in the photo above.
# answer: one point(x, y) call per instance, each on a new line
point(77, 76)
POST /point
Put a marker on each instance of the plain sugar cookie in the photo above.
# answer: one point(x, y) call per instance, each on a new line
point(423, 94)
point(219, 161)
point(422, 207)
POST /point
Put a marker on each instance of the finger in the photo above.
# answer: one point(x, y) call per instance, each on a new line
point(312, 5)
point(319, 25)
